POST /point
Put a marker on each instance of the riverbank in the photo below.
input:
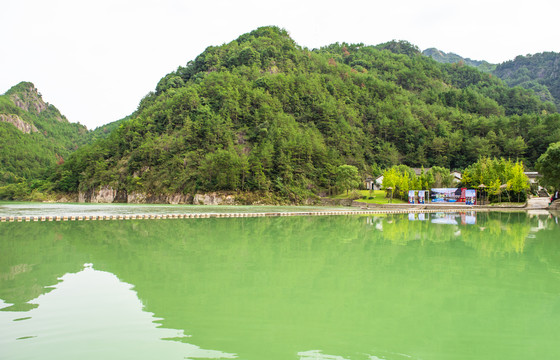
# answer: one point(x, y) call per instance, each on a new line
point(379, 211)
point(214, 215)
point(27, 212)
point(438, 206)
point(535, 203)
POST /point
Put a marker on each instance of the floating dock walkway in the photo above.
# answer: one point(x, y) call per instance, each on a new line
point(222, 215)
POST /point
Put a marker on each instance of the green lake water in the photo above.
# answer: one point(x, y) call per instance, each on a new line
point(394, 287)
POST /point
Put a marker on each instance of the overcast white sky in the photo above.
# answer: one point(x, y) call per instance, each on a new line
point(95, 60)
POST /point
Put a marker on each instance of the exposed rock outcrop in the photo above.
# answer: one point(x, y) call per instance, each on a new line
point(30, 100)
point(18, 123)
point(213, 199)
point(106, 194)
point(142, 198)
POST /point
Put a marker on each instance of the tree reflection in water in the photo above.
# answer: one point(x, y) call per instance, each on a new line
point(354, 287)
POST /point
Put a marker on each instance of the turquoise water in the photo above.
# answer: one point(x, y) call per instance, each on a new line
point(432, 286)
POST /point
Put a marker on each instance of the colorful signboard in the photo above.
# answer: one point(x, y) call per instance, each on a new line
point(421, 196)
point(470, 197)
point(411, 196)
point(445, 195)
point(453, 195)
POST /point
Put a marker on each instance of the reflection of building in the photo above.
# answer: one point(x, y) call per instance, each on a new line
point(418, 216)
point(445, 218)
point(466, 218)
point(375, 221)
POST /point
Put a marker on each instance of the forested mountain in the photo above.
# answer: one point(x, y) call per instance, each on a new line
point(450, 58)
point(264, 114)
point(34, 135)
point(539, 73)
point(103, 131)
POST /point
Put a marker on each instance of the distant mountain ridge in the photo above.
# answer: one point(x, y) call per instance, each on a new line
point(450, 58)
point(539, 72)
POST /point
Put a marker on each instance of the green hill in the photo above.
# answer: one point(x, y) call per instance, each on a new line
point(264, 114)
point(103, 131)
point(34, 135)
point(539, 72)
point(450, 58)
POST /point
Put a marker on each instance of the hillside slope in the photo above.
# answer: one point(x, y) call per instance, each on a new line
point(34, 135)
point(539, 72)
point(450, 58)
point(263, 114)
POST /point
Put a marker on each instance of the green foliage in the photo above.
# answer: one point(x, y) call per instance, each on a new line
point(263, 114)
point(518, 182)
point(450, 58)
point(51, 137)
point(540, 73)
point(399, 179)
point(347, 177)
point(549, 166)
point(438, 177)
point(402, 178)
point(500, 176)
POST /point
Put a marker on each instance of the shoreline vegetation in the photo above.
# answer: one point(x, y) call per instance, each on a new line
point(380, 212)
point(377, 204)
point(266, 121)
point(355, 198)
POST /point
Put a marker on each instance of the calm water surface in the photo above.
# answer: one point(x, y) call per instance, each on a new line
point(434, 286)
point(90, 209)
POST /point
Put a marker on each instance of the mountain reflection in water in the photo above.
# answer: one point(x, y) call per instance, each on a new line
point(92, 315)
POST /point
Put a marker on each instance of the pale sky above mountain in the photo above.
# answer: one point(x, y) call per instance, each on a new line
point(95, 60)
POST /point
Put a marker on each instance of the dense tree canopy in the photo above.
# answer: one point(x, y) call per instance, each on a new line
point(549, 166)
point(539, 73)
point(263, 114)
point(498, 176)
point(45, 136)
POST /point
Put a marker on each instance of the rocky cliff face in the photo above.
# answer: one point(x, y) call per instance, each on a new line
point(29, 99)
point(26, 97)
point(35, 136)
point(107, 194)
point(213, 199)
point(18, 122)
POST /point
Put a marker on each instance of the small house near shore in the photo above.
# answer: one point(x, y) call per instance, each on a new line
point(533, 177)
point(418, 171)
point(457, 177)
point(371, 183)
